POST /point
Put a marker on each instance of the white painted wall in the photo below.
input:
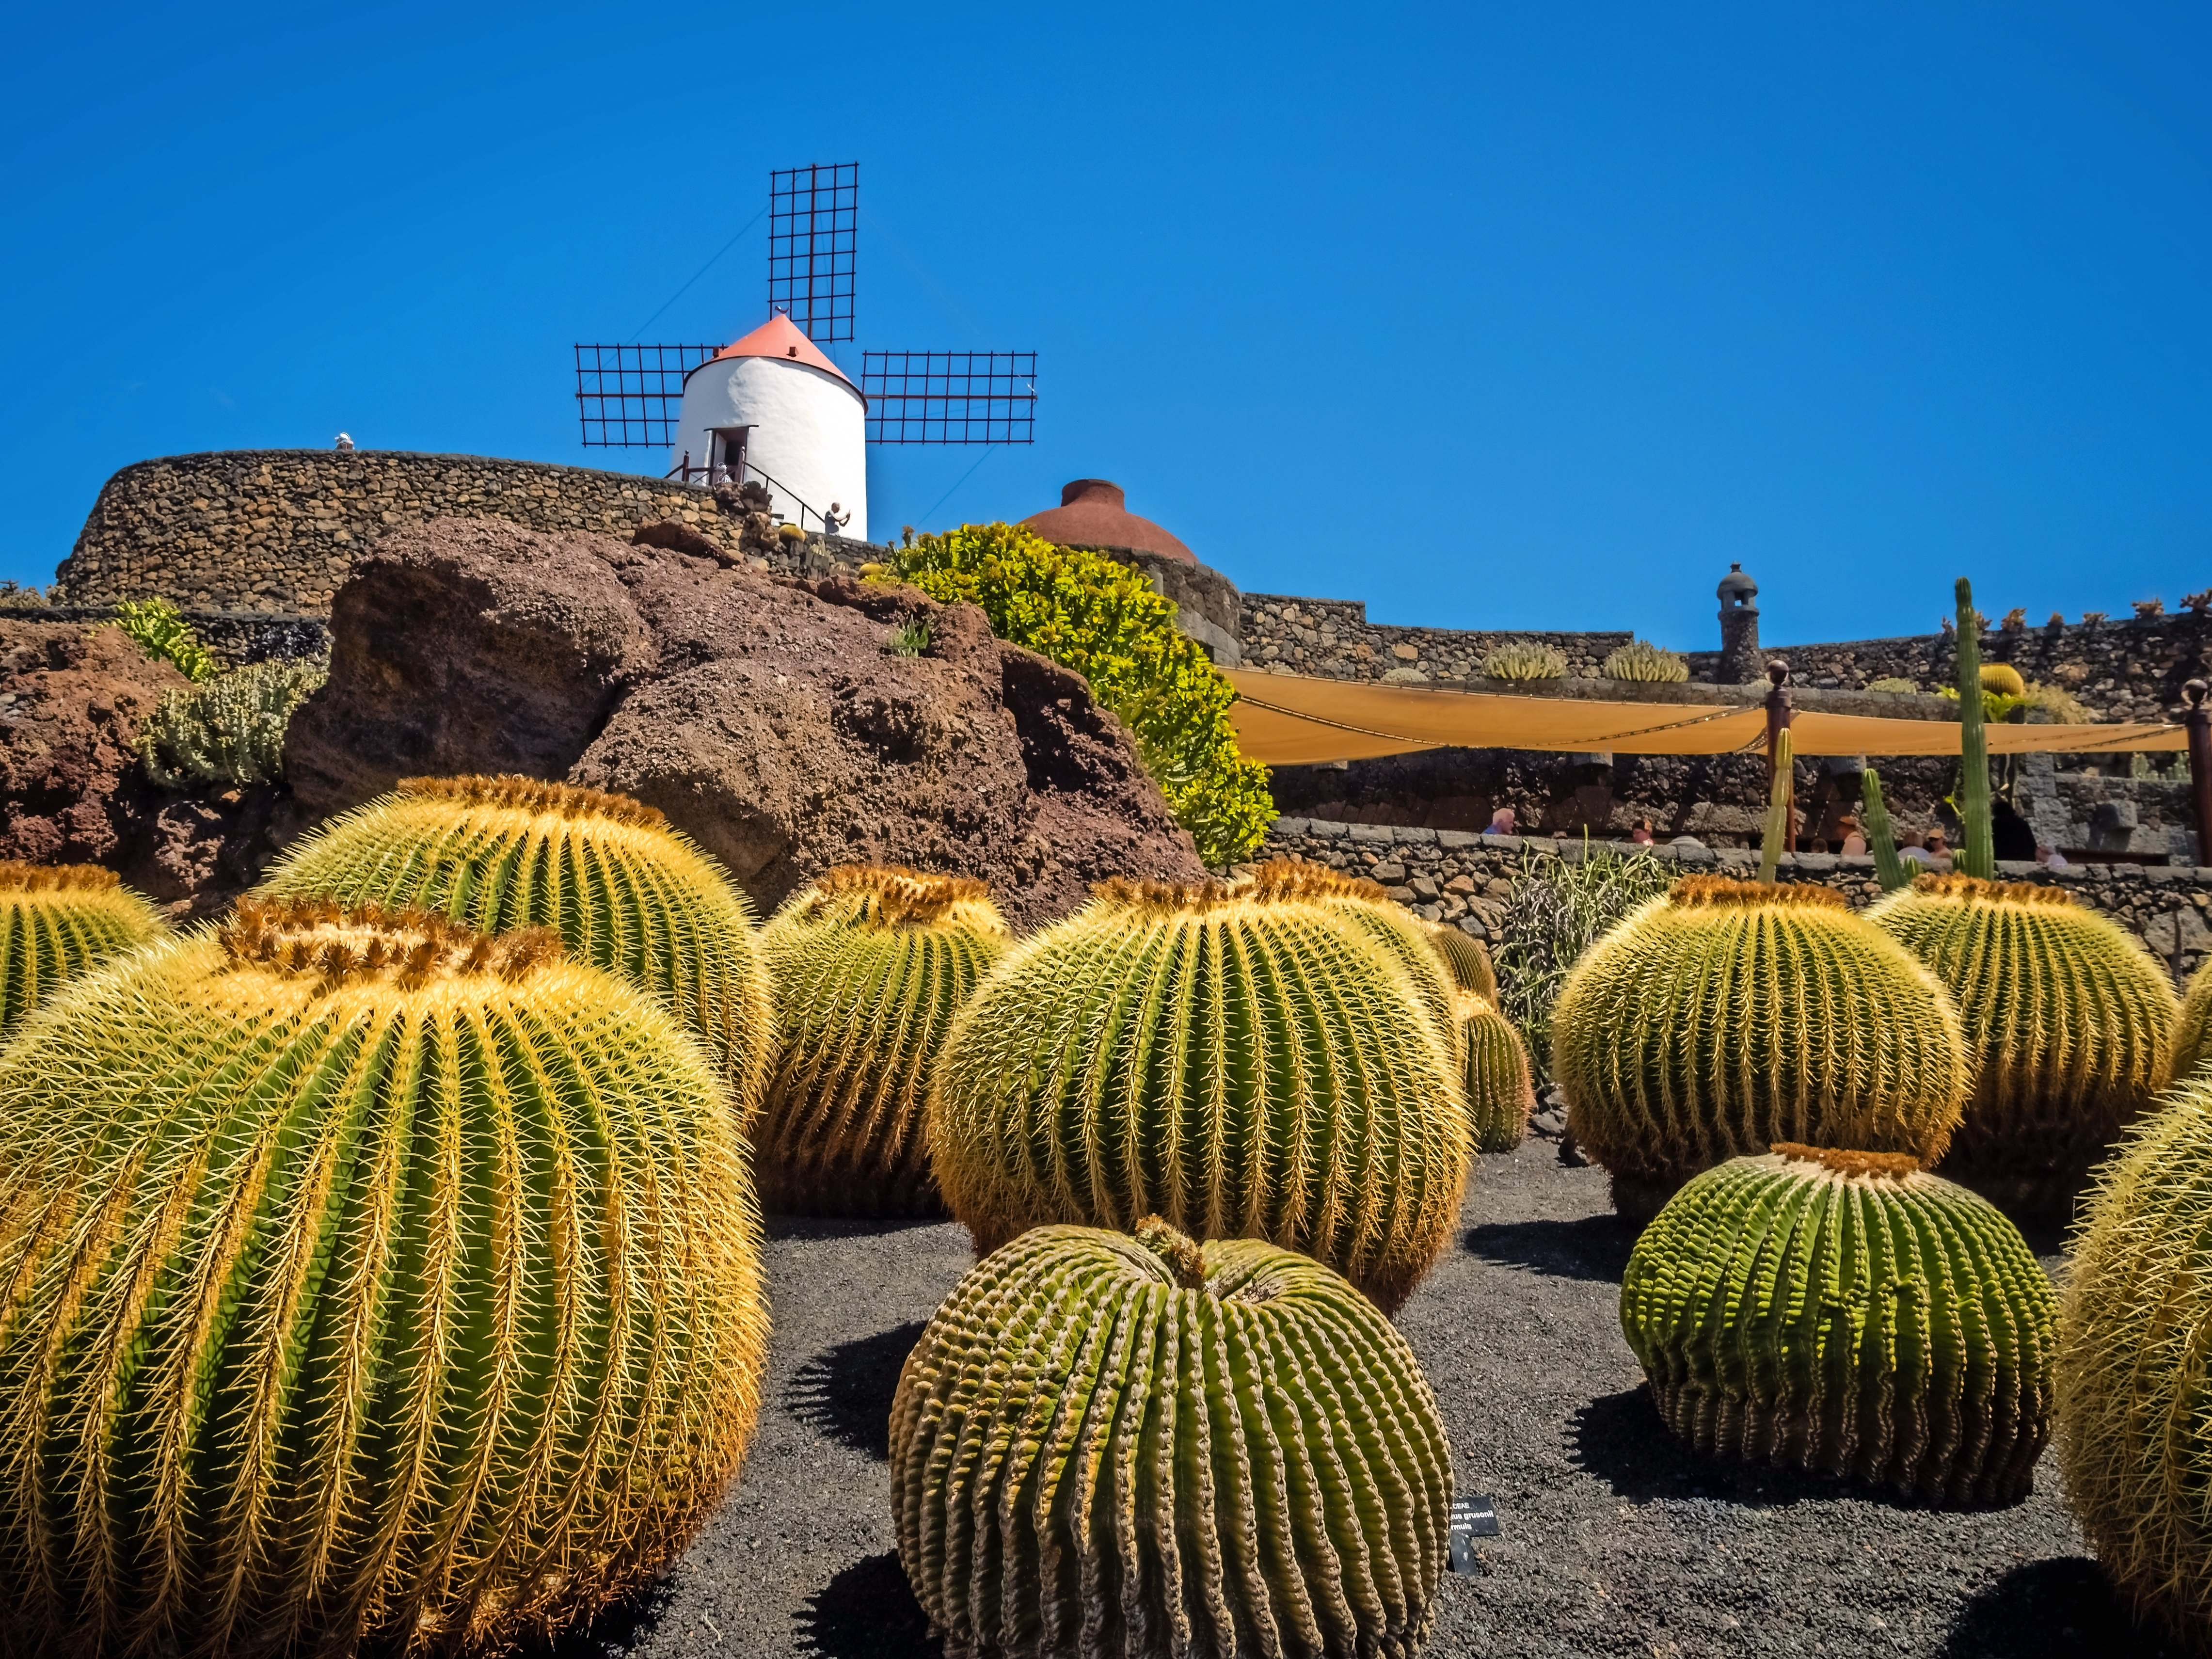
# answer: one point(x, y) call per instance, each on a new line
point(809, 433)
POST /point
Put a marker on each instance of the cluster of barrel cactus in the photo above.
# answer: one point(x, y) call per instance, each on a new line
point(1147, 1446)
point(1725, 1016)
point(1253, 1059)
point(59, 921)
point(362, 1278)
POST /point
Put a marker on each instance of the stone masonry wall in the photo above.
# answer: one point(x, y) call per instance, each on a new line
point(1332, 639)
point(1446, 875)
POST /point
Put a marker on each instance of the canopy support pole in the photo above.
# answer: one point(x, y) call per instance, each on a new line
point(2198, 722)
point(1778, 716)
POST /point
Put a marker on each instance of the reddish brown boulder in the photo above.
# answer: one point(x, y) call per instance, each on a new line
point(773, 720)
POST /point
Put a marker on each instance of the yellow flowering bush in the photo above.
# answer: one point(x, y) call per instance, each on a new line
point(1099, 617)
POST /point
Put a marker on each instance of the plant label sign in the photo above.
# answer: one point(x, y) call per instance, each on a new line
point(1471, 1518)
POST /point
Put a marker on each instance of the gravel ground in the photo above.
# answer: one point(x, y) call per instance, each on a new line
point(1614, 1539)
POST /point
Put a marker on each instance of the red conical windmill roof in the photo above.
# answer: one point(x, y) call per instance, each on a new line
point(779, 337)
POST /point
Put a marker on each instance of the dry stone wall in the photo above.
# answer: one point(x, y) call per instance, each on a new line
point(1333, 639)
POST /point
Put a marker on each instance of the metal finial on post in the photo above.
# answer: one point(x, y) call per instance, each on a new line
point(1778, 716)
point(2196, 720)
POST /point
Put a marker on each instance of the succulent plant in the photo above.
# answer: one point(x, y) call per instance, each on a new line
point(2002, 678)
point(1524, 660)
point(1240, 1059)
point(2134, 1369)
point(1889, 866)
point(1142, 1446)
point(1977, 853)
point(1725, 1016)
point(362, 1278)
point(2069, 1022)
point(57, 921)
point(623, 890)
point(229, 729)
point(1370, 907)
point(1848, 1312)
point(1500, 1094)
point(1466, 959)
point(1780, 818)
point(2192, 1029)
point(870, 965)
point(1639, 660)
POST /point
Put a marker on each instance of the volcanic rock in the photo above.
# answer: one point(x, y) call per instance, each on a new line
point(772, 719)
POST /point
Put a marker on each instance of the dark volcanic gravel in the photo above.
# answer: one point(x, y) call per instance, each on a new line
point(1615, 1539)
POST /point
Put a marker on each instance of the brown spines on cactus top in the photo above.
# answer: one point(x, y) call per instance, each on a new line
point(19, 877)
point(410, 946)
point(1995, 892)
point(534, 795)
point(1693, 892)
point(1295, 879)
point(1126, 893)
point(1886, 1166)
point(896, 897)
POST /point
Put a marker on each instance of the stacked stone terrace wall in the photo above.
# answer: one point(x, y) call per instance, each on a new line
point(1332, 639)
point(1446, 875)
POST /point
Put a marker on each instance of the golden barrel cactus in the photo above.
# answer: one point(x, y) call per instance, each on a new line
point(1113, 1445)
point(57, 921)
point(1847, 1312)
point(1370, 907)
point(2194, 1026)
point(362, 1278)
point(1500, 1093)
point(1240, 1060)
point(870, 965)
point(2070, 1027)
point(2134, 1371)
point(1724, 1016)
point(623, 890)
point(1465, 959)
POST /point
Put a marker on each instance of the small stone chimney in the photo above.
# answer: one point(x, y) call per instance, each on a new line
point(1741, 661)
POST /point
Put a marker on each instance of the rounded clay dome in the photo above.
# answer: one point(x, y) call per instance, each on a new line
point(1091, 514)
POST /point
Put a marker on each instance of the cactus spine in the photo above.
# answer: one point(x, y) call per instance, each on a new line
point(57, 921)
point(1142, 1446)
point(870, 965)
point(1466, 960)
point(2069, 1023)
point(1888, 868)
point(1778, 811)
point(1977, 855)
point(2135, 1372)
point(1237, 1059)
point(2190, 1051)
point(1726, 1015)
point(1500, 1094)
point(623, 890)
point(1844, 1311)
point(362, 1278)
point(1368, 906)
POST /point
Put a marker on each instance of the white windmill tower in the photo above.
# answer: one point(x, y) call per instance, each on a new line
point(771, 408)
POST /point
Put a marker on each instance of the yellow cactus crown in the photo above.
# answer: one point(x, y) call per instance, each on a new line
point(1878, 1166)
point(892, 895)
point(411, 947)
point(566, 800)
point(1966, 888)
point(18, 877)
point(1279, 881)
point(1718, 892)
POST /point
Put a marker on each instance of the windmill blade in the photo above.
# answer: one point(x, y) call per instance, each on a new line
point(814, 232)
point(949, 397)
point(629, 397)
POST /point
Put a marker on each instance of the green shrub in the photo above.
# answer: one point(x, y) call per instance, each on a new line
point(1524, 660)
point(229, 729)
point(1102, 619)
point(16, 597)
point(1640, 660)
point(163, 635)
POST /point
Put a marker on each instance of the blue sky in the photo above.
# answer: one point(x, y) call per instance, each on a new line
point(1494, 316)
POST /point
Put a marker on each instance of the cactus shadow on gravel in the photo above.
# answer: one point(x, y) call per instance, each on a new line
point(846, 1391)
point(2058, 1607)
point(1621, 1440)
point(628, 1624)
point(866, 1612)
point(1592, 1247)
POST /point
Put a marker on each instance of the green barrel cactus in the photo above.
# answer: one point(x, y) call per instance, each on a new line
point(623, 890)
point(57, 921)
point(2069, 1026)
point(1241, 1060)
point(1465, 959)
point(870, 965)
point(1500, 1093)
point(362, 1278)
point(1369, 906)
point(1140, 1446)
point(2190, 1030)
point(2134, 1371)
point(1724, 1016)
point(1847, 1312)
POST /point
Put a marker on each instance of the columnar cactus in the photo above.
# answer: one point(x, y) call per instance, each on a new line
point(1847, 1312)
point(57, 921)
point(1140, 1446)
point(2069, 1022)
point(362, 1278)
point(870, 965)
point(2135, 1373)
point(1241, 1060)
point(623, 890)
point(1500, 1094)
point(1465, 959)
point(1725, 1016)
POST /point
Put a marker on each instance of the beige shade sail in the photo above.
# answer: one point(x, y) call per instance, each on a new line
point(1287, 720)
